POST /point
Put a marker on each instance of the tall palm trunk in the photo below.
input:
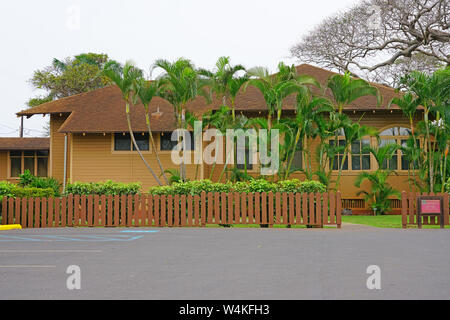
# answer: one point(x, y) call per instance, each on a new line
point(135, 144)
point(147, 119)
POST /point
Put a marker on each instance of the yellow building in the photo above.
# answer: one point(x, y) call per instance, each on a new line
point(89, 138)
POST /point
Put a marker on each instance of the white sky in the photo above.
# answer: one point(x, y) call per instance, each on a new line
point(251, 32)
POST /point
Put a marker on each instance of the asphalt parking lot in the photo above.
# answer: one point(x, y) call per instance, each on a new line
point(224, 263)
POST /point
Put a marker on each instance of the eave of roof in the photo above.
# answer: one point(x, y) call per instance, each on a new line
point(16, 144)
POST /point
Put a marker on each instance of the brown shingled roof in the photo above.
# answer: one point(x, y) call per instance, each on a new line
point(15, 144)
point(103, 110)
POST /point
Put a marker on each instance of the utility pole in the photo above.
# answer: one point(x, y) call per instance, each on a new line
point(21, 126)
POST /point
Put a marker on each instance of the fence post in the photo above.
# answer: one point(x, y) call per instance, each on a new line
point(4, 210)
point(404, 210)
point(338, 210)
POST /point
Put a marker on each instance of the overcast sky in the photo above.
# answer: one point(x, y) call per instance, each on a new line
point(251, 32)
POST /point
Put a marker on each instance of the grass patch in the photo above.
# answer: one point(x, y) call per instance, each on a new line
point(394, 222)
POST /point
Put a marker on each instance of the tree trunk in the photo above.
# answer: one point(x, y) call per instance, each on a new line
point(136, 146)
point(147, 118)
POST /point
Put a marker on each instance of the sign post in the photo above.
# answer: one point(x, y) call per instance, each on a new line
point(430, 206)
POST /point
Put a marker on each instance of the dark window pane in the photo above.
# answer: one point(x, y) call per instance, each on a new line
point(356, 147)
point(16, 167)
point(366, 162)
point(42, 153)
point(143, 142)
point(15, 153)
point(405, 163)
point(122, 142)
point(166, 143)
point(297, 163)
point(29, 153)
point(240, 159)
point(345, 167)
point(42, 167)
point(393, 163)
point(356, 162)
point(28, 164)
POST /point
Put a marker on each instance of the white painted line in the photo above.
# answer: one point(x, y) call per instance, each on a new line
point(23, 266)
point(50, 251)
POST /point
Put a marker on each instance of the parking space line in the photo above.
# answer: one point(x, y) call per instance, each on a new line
point(25, 267)
point(50, 251)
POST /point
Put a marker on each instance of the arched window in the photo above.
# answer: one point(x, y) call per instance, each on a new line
point(396, 135)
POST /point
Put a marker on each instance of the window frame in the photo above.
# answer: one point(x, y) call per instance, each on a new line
point(398, 140)
point(131, 151)
point(350, 170)
point(22, 157)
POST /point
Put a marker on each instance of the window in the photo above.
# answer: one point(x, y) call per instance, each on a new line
point(399, 136)
point(357, 159)
point(336, 163)
point(297, 161)
point(360, 155)
point(122, 142)
point(35, 161)
point(168, 145)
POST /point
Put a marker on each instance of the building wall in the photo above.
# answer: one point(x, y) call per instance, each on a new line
point(57, 148)
point(3, 165)
point(93, 159)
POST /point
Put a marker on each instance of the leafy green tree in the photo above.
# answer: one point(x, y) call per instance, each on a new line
point(125, 78)
point(180, 84)
point(433, 94)
point(146, 90)
point(69, 77)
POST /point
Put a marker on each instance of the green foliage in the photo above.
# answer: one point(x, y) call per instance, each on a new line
point(103, 188)
point(297, 186)
point(447, 186)
point(71, 76)
point(255, 185)
point(11, 190)
point(30, 181)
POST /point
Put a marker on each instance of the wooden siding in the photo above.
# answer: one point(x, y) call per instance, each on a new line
point(3, 165)
point(93, 159)
point(57, 149)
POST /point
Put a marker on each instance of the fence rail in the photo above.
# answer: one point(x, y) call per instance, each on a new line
point(175, 211)
point(409, 209)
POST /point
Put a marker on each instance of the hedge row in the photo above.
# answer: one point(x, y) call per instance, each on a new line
point(103, 188)
point(197, 187)
point(11, 190)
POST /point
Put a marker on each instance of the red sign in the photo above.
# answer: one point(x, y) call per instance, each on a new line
point(430, 206)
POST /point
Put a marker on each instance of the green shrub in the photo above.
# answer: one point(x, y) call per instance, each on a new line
point(256, 185)
point(103, 188)
point(297, 186)
point(191, 188)
point(31, 181)
point(11, 190)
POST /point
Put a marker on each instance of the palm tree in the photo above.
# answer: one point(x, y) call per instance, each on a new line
point(146, 91)
point(353, 132)
point(432, 92)
point(179, 84)
point(224, 82)
point(275, 88)
point(346, 89)
point(125, 78)
point(380, 188)
point(308, 112)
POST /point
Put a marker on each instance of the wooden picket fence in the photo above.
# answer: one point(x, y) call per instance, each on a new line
point(409, 209)
point(175, 211)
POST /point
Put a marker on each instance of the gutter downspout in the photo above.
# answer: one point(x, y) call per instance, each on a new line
point(65, 163)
